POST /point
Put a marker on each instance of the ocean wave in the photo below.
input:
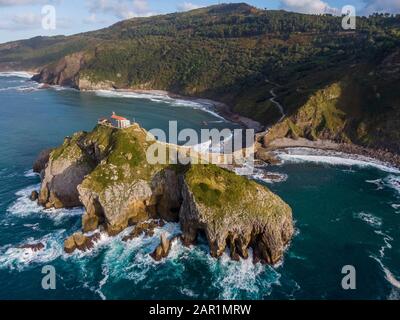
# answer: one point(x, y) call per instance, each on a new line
point(30, 174)
point(12, 257)
point(298, 155)
point(370, 219)
point(389, 276)
point(131, 261)
point(269, 177)
point(393, 182)
point(161, 98)
point(387, 242)
point(24, 207)
point(29, 86)
point(235, 279)
point(19, 74)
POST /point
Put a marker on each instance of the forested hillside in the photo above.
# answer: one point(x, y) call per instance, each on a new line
point(333, 83)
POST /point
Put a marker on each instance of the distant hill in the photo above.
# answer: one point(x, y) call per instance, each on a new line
point(336, 84)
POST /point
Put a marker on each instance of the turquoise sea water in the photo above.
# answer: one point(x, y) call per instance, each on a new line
point(346, 213)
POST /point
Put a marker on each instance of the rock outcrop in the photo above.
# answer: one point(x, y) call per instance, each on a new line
point(34, 196)
point(35, 247)
point(65, 72)
point(162, 249)
point(107, 172)
point(79, 241)
point(235, 212)
point(67, 167)
point(41, 161)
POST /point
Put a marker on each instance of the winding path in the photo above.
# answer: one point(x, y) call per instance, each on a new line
point(273, 99)
point(280, 107)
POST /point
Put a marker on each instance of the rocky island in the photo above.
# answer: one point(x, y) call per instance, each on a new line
point(106, 172)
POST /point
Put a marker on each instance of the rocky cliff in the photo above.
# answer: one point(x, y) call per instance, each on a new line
point(106, 171)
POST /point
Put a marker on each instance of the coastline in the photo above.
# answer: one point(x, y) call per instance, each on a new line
point(223, 110)
point(382, 156)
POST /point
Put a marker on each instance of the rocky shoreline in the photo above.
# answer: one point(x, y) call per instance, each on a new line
point(225, 111)
point(106, 172)
point(383, 156)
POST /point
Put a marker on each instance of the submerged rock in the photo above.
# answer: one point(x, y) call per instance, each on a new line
point(107, 171)
point(146, 228)
point(35, 247)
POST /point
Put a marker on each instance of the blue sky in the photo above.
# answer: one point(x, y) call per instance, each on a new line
point(20, 19)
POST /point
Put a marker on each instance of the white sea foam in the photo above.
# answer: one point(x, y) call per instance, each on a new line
point(19, 74)
point(269, 177)
point(161, 98)
point(28, 86)
point(103, 282)
point(393, 182)
point(370, 219)
point(23, 207)
point(387, 242)
point(296, 155)
point(388, 274)
point(33, 226)
point(12, 257)
point(378, 182)
point(30, 174)
point(235, 278)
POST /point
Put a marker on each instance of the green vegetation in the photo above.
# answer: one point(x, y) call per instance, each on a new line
point(231, 52)
point(222, 192)
point(124, 157)
point(216, 187)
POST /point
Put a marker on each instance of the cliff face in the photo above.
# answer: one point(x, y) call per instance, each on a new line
point(234, 212)
point(360, 108)
point(106, 171)
point(64, 72)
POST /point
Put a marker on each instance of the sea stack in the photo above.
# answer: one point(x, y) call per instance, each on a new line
point(106, 171)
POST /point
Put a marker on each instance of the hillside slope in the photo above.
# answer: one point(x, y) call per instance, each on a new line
point(236, 54)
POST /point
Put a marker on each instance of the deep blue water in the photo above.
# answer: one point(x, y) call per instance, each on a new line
point(346, 214)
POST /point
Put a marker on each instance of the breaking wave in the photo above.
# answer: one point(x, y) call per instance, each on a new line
point(296, 155)
point(24, 207)
point(370, 219)
point(161, 98)
point(18, 74)
point(14, 257)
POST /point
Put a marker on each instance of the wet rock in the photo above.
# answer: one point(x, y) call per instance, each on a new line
point(79, 241)
point(35, 247)
point(163, 249)
point(41, 161)
point(34, 196)
point(267, 156)
point(146, 228)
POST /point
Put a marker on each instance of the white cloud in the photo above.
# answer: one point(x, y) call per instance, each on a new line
point(5, 3)
point(187, 6)
point(122, 9)
point(308, 6)
point(390, 6)
point(27, 19)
